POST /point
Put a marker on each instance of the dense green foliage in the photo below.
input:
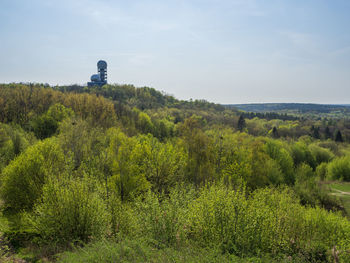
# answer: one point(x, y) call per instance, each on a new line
point(142, 174)
point(339, 169)
point(139, 251)
point(23, 179)
point(69, 211)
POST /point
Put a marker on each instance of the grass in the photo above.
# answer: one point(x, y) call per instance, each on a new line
point(342, 190)
point(134, 251)
point(344, 187)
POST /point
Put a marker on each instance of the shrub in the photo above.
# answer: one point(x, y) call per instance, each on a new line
point(276, 151)
point(339, 169)
point(301, 154)
point(59, 112)
point(13, 141)
point(331, 145)
point(321, 154)
point(320, 233)
point(47, 124)
point(70, 210)
point(311, 192)
point(162, 219)
point(270, 221)
point(24, 177)
point(137, 250)
point(122, 216)
point(216, 218)
point(44, 126)
point(6, 147)
point(321, 171)
point(305, 184)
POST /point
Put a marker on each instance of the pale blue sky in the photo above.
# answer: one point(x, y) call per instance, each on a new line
point(236, 51)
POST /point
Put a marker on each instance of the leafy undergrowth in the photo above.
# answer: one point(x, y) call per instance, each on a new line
point(140, 251)
point(7, 252)
point(216, 224)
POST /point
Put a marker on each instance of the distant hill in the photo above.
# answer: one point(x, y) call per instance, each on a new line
point(301, 107)
point(325, 110)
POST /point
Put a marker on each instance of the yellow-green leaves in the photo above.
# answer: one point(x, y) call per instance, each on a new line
point(24, 177)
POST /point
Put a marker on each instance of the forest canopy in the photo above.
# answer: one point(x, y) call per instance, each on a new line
point(92, 169)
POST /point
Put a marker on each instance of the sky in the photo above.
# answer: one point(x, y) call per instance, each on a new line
point(223, 51)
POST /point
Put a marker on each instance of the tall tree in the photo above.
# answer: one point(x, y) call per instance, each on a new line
point(275, 132)
point(315, 132)
point(241, 123)
point(327, 133)
point(339, 137)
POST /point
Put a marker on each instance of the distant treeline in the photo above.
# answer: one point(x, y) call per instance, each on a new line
point(296, 107)
point(270, 116)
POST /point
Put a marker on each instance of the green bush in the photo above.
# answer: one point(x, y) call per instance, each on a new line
point(276, 151)
point(47, 124)
point(321, 232)
point(305, 185)
point(70, 211)
point(321, 154)
point(13, 141)
point(321, 171)
point(6, 147)
point(301, 154)
point(59, 112)
point(270, 221)
point(339, 169)
point(216, 218)
point(313, 193)
point(138, 250)
point(162, 219)
point(331, 145)
point(24, 177)
point(122, 216)
point(44, 126)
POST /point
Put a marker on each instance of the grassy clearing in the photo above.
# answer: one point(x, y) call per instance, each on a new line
point(342, 190)
point(344, 187)
point(346, 202)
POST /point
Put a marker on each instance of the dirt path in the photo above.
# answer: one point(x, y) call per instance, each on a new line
point(341, 192)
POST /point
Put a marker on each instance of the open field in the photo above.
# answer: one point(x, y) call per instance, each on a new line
point(342, 190)
point(343, 187)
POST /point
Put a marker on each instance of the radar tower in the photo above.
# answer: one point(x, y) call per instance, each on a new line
point(99, 79)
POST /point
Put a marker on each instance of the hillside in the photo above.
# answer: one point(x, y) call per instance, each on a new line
point(121, 173)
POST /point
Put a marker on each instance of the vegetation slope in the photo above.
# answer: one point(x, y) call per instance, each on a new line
point(118, 173)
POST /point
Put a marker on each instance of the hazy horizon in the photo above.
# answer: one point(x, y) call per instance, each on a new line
point(228, 52)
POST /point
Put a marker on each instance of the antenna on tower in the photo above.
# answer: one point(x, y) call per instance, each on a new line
point(99, 79)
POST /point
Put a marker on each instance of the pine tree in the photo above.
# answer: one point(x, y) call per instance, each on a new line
point(275, 132)
point(339, 137)
point(327, 133)
point(315, 132)
point(241, 123)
